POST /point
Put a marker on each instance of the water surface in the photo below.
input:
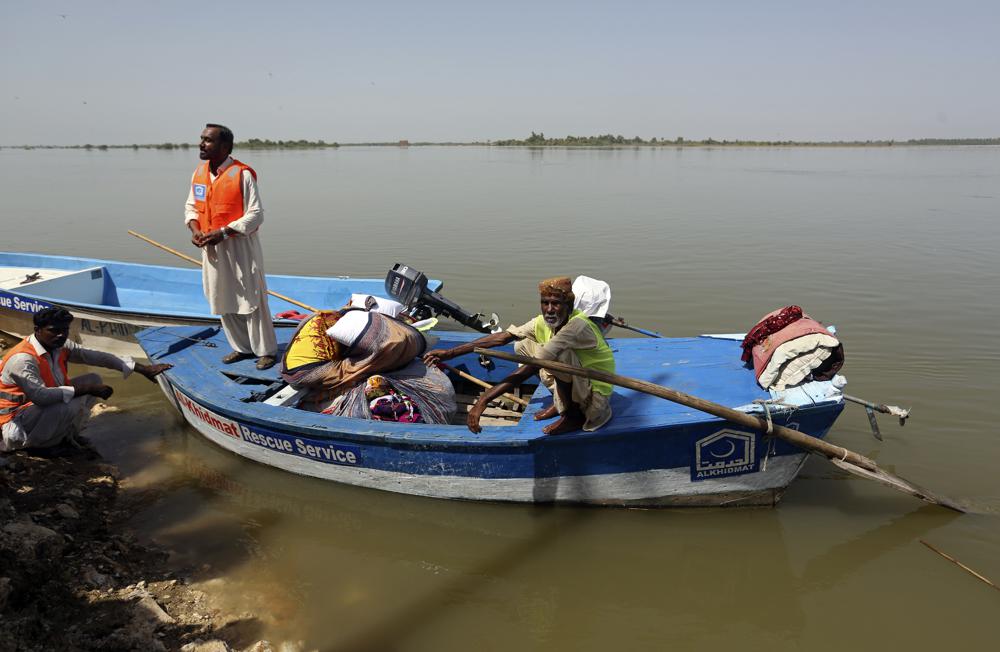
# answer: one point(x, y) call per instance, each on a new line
point(893, 245)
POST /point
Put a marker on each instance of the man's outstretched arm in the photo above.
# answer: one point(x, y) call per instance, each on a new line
point(432, 358)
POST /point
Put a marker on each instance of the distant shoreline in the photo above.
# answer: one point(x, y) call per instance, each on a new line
point(539, 141)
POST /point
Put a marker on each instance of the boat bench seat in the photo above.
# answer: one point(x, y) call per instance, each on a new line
point(11, 278)
point(287, 395)
point(83, 286)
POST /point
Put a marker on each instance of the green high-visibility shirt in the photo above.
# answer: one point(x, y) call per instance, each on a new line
point(600, 357)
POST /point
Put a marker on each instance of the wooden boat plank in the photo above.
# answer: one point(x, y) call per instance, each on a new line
point(491, 411)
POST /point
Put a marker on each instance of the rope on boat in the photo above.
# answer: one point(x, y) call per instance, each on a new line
point(767, 404)
point(769, 454)
point(767, 412)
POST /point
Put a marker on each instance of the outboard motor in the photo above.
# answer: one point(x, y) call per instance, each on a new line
point(409, 287)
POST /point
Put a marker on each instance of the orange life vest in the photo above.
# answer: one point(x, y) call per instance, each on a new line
point(12, 398)
point(219, 202)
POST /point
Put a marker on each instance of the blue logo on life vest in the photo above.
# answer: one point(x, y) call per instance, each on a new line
point(200, 190)
point(724, 453)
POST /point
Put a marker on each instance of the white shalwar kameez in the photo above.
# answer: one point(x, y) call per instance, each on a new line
point(233, 274)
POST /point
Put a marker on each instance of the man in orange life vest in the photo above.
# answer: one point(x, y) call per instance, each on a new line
point(40, 405)
point(224, 213)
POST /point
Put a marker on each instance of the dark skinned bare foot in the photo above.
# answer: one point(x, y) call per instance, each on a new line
point(568, 423)
point(547, 413)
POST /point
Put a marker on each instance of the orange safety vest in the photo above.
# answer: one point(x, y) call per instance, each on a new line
point(12, 398)
point(219, 202)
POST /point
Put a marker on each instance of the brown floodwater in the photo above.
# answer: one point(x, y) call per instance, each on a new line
point(893, 245)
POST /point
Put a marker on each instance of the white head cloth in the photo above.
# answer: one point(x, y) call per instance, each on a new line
point(593, 297)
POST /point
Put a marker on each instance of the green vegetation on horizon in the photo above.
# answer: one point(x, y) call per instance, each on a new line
point(610, 140)
point(539, 140)
point(253, 143)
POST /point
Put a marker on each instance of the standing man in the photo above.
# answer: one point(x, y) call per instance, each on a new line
point(40, 405)
point(223, 212)
point(558, 333)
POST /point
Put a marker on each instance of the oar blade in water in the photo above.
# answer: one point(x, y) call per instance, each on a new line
point(898, 483)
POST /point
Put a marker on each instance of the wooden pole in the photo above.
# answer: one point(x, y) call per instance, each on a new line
point(198, 263)
point(844, 458)
point(483, 383)
point(960, 565)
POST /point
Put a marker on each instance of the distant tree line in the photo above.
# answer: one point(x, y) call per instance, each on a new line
point(253, 143)
point(953, 141)
point(257, 143)
point(539, 140)
point(611, 140)
point(102, 148)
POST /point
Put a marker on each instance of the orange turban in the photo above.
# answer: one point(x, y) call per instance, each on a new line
point(560, 285)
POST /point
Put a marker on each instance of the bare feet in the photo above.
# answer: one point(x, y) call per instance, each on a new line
point(567, 423)
point(547, 413)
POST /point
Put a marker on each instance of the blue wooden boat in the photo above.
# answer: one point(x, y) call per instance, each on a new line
point(651, 453)
point(113, 300)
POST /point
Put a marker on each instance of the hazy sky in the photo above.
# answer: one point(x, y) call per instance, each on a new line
point(75, 72)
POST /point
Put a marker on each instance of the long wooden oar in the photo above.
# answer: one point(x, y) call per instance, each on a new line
point(843, 458)
point(198, 263)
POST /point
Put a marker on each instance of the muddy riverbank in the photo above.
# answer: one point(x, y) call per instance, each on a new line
point(74, 576)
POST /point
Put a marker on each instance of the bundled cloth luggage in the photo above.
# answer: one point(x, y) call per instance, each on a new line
point(788, 347)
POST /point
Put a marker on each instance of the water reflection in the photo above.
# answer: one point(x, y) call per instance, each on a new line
point(397, 566)
point(849, 557)
point(398, 571)
point(349, 568)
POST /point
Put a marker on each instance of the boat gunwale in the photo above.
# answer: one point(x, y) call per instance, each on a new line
point(122, 311)
point(403, 435)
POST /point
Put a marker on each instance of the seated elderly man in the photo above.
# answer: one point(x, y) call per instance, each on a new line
point(40, 405)
point(558, 333)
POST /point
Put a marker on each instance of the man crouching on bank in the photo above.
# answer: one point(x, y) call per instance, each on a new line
point(559, 333)
point(40, 404)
